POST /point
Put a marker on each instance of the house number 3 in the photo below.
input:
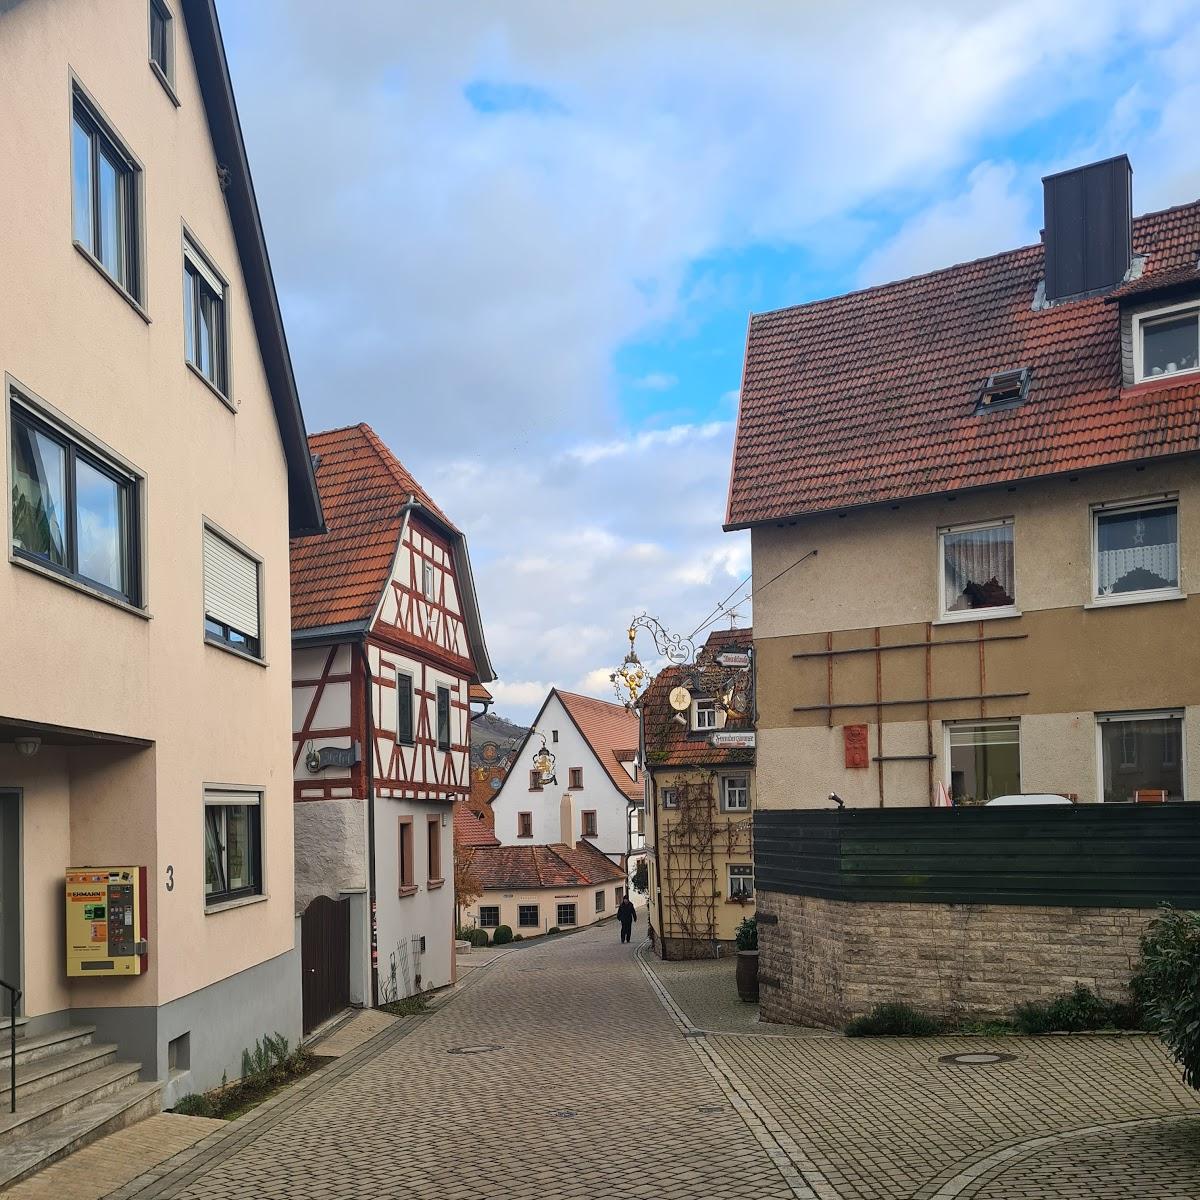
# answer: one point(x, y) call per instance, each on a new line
point(170, 878)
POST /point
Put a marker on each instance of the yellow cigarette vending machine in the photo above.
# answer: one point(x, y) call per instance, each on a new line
point(106, 920)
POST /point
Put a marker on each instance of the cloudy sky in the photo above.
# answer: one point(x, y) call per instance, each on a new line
point(522, 239)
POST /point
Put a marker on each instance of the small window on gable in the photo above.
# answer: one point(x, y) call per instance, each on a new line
point(205, 318)
point(162, 43)
point(1004, 389)
point(427, 580)
point(1166, 342)
point(705, 715)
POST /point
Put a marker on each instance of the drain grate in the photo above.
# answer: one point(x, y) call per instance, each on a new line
point(487, 1049)
point(711, 1108)
point(564, 1112)
point(976, 1059)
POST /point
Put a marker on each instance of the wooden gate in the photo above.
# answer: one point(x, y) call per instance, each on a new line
point(325, 959)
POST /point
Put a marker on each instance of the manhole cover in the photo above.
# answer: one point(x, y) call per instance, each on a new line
point(473, 1049)
point(980, 1059)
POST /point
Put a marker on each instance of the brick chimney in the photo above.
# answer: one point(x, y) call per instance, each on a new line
point(566, 819)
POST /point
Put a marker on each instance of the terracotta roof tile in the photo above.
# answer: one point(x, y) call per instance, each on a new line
point(558, 865)
point(671, 744)
point(471, 829)
point(869, 397)
point(338, 576)
point(610, 729)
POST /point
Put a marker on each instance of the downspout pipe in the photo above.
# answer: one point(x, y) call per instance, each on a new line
point(369, 749)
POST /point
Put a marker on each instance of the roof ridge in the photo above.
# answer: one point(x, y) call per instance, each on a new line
point(966, 262)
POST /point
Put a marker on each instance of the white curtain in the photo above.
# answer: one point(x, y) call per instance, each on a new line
point(977, 557)
point(1113, 565)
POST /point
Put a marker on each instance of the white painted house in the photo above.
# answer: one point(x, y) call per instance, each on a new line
point(595, 748)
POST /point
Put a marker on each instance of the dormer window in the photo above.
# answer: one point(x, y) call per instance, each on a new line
point(1167, 341)
point(1004, 389)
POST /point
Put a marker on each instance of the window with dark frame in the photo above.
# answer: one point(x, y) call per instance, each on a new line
point(231, 595)
point(205, 322)
point(670, 797)
point(489, 916)
point(535, 781)
point(72, 509)
point(525, 824)
point(404, 709)
point(566, 915)
point(528, 916)
point(589, 822)
point(443, 718)
point(104, 198)
point(600, 901)
point(162, 40)
point(434, 836)
point(404, 855)
point(232, 846)
point(575, 777)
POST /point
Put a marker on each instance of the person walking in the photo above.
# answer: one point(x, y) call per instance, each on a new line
point(626, 914)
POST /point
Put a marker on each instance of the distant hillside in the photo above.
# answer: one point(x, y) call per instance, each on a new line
point(493, 729)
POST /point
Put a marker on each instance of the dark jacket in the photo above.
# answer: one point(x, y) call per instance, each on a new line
point(626, 913)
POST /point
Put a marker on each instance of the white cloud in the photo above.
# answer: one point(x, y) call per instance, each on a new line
point(656, 381)
point(463, 279)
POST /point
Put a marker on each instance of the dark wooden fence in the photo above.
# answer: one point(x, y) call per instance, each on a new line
point(1085, 855)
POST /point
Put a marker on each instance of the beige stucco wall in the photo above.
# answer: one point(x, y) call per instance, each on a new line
point(548, 900)
point(71, 659)
point(1058, 663)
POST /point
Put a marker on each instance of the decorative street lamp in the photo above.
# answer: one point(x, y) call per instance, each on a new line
point(631, 677)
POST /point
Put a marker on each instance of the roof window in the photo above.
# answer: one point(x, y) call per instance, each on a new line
point(1004, 389)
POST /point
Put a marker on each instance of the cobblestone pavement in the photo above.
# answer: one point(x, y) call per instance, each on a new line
point(567, 1070)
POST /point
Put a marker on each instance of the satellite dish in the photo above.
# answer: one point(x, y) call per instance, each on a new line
point(680, 699)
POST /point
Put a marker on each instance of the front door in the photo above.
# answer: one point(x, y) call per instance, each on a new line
point(10, 896)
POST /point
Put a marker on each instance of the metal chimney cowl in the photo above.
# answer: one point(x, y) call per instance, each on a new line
point(1088, 234)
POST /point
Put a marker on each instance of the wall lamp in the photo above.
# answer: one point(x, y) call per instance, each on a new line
point(27, 747)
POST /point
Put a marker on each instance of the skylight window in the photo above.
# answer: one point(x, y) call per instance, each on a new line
point(1004, 389)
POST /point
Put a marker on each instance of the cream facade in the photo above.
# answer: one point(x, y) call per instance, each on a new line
point(534, 911)
point(144, 718)
point(1058, 666)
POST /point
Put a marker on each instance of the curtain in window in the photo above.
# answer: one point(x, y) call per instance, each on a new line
point(1137, 551)
point(979, 568)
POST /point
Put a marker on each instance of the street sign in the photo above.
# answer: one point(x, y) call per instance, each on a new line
point(741, 739)
point(733, 658)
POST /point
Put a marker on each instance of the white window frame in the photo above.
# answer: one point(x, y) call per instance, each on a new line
point(741, 868)
point(1150, 317)
point(1108, 507)
point(427, 579)
point(974, 614)
point(726, 781)
point(709, 706)
point(1148, 714)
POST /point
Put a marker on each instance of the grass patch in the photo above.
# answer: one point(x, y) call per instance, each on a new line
point(895, 1020)
point(1077, 1011)
point(410, 1006)
point(266, 1069)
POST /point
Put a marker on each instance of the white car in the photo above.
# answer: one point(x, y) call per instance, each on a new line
point(1030, 798)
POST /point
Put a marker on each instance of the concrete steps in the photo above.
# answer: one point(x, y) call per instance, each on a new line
point(70, 1091)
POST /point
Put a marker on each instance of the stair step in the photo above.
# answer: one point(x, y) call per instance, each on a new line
point(42, 1108)
point(26, 1155)
point(34, 1046)
point(51, 1069)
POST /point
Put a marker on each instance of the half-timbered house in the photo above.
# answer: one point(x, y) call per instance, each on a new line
point(387, 643)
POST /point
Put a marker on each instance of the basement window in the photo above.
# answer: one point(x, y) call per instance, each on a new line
point(1004, 389)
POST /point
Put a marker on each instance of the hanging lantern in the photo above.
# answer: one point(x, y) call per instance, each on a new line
point(543, 764)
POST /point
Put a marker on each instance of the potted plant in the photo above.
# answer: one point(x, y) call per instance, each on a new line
point(746, 939)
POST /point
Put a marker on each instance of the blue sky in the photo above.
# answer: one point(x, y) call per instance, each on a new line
point(523, 240)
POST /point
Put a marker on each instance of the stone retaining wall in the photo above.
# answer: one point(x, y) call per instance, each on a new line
point(824, 961)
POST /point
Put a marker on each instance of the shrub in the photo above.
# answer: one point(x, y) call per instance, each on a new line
point(894, 1020)
point(195, 1105)
point(518, 937)
point(641, 877)
point(553, 929)
point(1167, 986)
point(501, 935)
point(1073, 1012)
point(477, 937)
point(746, 934)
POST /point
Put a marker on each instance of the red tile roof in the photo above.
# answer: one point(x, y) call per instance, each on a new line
point(471, 829)
point(558, 865)
point(338, 577)
point(480, 693)
point(670, 744)
point(869, 397)
point(610, 730)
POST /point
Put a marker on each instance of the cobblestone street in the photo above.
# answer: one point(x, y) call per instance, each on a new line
point(568, 1070)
